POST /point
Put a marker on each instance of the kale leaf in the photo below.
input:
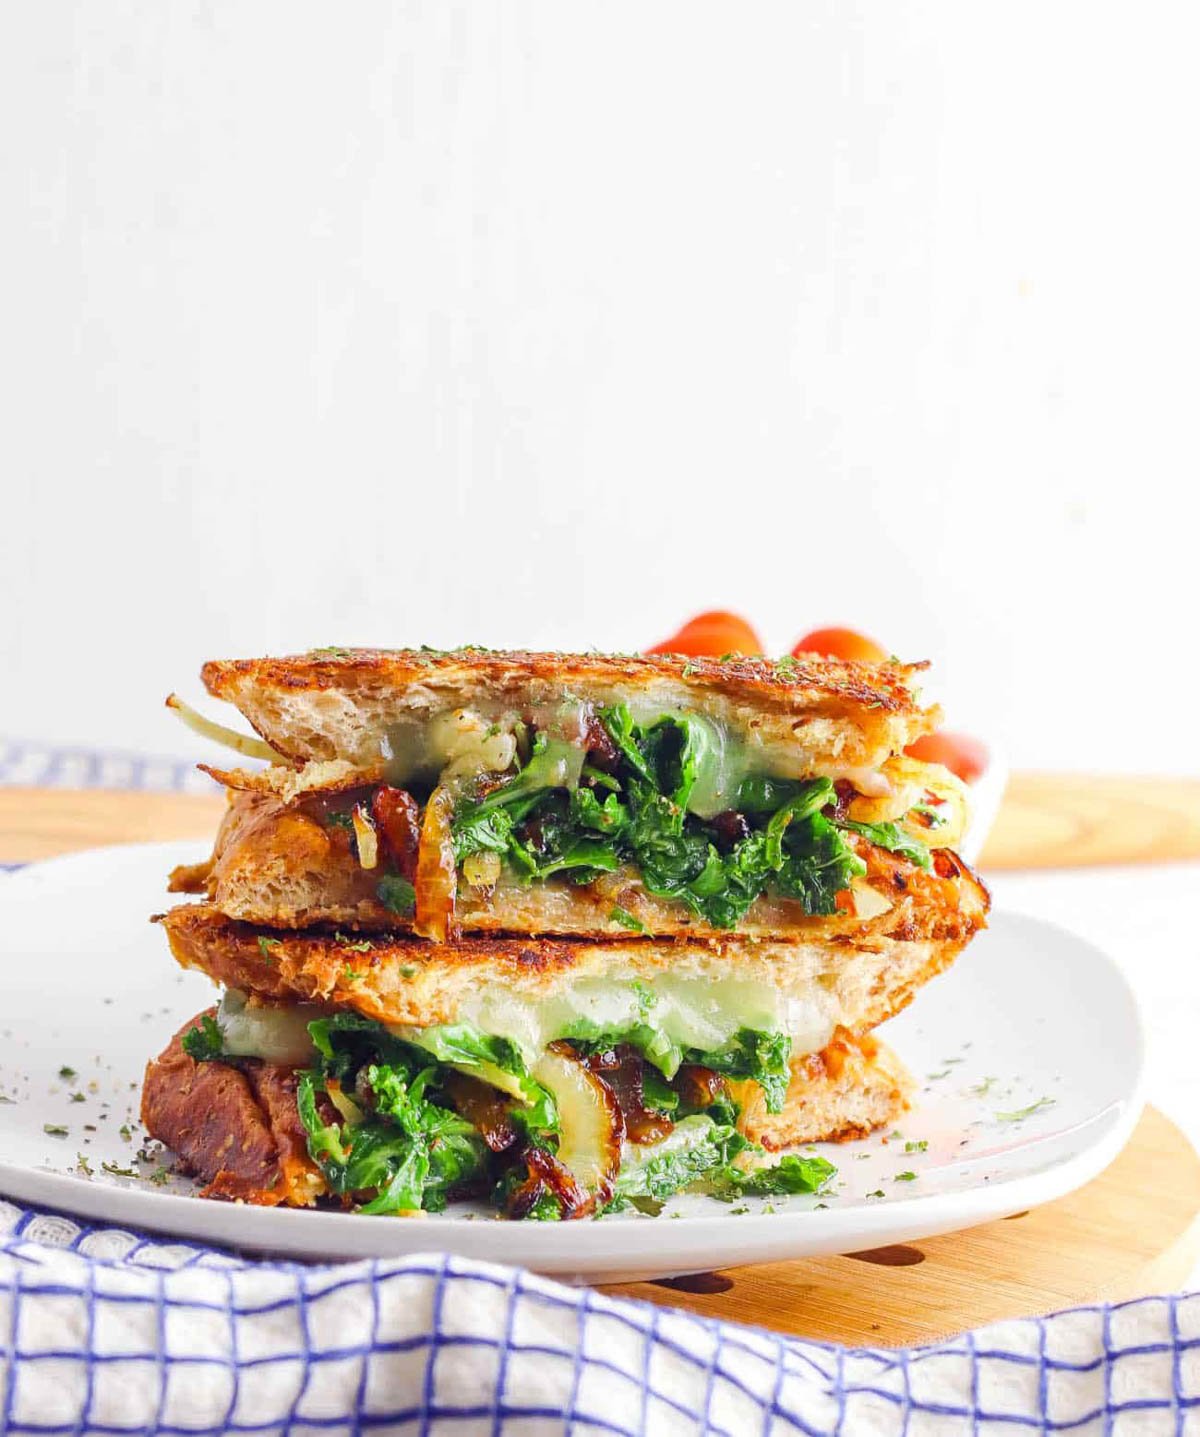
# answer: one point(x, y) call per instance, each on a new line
point(701, 1152)
point(892, 837)
point(762, 1056)
point(793, 1173)
point(204, 1043)
point(695, 1148)
point(411, 1159)
point(559, 816)
point(819, 865)
point(611, 816)
point(348, 1043)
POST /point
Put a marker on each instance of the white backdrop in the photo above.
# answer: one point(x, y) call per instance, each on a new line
point(550, 323)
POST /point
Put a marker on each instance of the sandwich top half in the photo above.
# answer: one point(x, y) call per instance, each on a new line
point(588, 795)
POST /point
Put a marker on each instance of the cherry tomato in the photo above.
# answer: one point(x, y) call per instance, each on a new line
point(962, 755)
point(840, 644)
point(710, 635)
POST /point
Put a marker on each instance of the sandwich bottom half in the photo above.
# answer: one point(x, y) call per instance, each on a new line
point(276, 1133)
point(550, 1079)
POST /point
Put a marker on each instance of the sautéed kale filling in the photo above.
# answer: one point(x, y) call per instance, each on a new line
point(655, 807)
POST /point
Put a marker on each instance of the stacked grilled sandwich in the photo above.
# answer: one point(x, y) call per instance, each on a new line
point(567, 933)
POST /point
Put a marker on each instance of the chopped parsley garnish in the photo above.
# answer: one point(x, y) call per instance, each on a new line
point(65, 1072)
point(118, 1172)
point(646, 996)
point(916, 1147)
point(626, 919)
point(55, 1130)
point(204, 1042)
point(905, 1177)
point(1020, 1113)
point(265, 945)
point(396, 894)
point(353, 945)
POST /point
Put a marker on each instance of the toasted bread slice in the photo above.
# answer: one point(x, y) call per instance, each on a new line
point(238, 1130)
point(504, 985)
point(343, 705)
point(852, 1086)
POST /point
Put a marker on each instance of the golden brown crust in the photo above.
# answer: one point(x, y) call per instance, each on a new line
point(335, 705)
point(795, 683)
point(236, 1128)
point(854, 982)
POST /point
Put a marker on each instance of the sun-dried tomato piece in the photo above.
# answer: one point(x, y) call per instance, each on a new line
point(398, 819)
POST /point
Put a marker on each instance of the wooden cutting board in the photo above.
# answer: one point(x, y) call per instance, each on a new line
point(1132, 1231)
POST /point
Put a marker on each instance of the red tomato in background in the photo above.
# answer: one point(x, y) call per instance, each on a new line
point(964, 756)
point(840, 644)
point(710, 635)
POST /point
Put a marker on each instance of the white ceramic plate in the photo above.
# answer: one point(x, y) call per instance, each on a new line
point(1032, 1021)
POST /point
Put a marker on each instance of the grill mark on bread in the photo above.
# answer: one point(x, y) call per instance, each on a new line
point(814, 679)
point(406, 980)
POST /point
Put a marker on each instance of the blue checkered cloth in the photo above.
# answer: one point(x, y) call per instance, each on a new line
point(108, 1331)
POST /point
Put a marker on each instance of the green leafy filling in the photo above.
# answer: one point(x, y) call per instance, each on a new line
point(702, 1149)
point(558, 818)
point(412, 1152)
point(762, 1057)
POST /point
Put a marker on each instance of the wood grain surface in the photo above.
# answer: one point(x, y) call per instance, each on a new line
point(1052, 820)
point(42, 822)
